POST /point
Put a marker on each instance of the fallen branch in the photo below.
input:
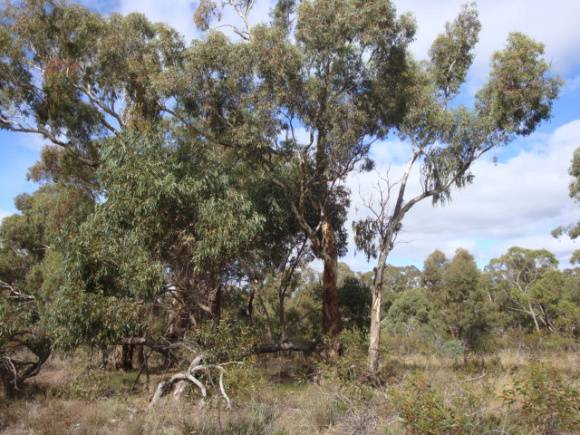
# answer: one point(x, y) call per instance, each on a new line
point(289, 346)
point(477, 378)
point(178, 382)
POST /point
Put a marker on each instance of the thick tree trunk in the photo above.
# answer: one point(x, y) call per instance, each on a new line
point(331, 324)
point(376, 308)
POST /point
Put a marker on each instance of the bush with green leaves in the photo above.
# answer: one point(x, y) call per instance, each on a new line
point(426, 410)
point(355, 303)
point(410, 310)
point(545, 400)
point(463, 307)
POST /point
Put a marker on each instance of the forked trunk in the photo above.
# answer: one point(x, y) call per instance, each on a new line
point(331, 324)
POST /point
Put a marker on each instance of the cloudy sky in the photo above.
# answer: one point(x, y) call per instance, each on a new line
point(516, 200)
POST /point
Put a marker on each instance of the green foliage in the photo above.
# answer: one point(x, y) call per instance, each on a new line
point(452, 348)
point(545, 399)
point(572, 230)
point(177, 179)
point(423, 409)
point(355, 303)
point(515, 274)
point(426, 411)
point(452, 52)
point(352, 364)
point(557, 295)
point(519, 93)
point(410, 310)
point(96, 384)
point(463, 307)
point(94, 319)
point(433, 270)
point(225, 341)
point(30, 274)
point(244, 380)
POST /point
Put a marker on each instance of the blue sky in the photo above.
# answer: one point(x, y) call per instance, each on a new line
point(516, 201)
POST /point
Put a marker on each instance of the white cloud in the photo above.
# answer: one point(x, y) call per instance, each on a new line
point(515, 202)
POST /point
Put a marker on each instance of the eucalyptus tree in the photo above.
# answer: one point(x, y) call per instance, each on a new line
point(463, 307)
point(516, 273)
point(557, 298)
point(446, 139)
point(75, 77)
point(433, 270)
point(572, 230)
point(119, 100)
point(321, 82)
point(30, 274)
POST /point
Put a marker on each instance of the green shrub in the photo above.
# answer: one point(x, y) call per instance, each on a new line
point(422, 408)
point(93, 384)
point(352, 364)
point(545, 400)
point(225, 341)
point(451, 348)
point(425, 410)
point(243, 379)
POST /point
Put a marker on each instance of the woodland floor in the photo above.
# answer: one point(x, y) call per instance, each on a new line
point(419, 394)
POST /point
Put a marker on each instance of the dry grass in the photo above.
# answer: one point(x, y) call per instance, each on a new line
point(56, 402)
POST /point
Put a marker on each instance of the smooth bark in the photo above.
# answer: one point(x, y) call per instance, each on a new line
point(376, 308)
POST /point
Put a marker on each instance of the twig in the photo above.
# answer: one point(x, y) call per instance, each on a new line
point(476, 378)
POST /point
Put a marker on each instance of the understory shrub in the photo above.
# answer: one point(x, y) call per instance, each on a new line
point(544, 399)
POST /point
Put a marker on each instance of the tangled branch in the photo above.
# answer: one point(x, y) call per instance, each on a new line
point(178, 382)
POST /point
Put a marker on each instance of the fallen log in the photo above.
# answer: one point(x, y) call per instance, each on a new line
point(287, 346)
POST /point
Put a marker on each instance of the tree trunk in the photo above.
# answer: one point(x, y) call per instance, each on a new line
point(250, 308)
point(533, 314)
point(123, 357)
point(216, 303)
point(331, 324)
point(282, 316)
point(376, 307)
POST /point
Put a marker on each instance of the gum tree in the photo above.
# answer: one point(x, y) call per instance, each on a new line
point(446, 139)
point(323, 81)
point(517, 272)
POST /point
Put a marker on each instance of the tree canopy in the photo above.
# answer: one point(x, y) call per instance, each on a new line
point(186, 183)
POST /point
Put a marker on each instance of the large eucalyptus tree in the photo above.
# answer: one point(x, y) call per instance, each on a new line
point(322, 82)
point(446, 139)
